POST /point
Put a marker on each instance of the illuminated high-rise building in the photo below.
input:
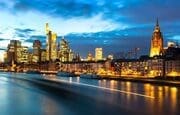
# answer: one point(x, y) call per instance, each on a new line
point(43, 55)
point(30, 57)
point(51, 48)
point(98, 54)
point(156, 42)
point(77, 57)
point(23, 58)
point(5, 56)
point(16, 53)
point(65, 53)
point(71, 55)
point(13, 51)
point(89, 57)
point(36, 51)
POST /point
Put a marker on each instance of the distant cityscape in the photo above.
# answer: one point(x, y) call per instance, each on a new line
point(58, 56)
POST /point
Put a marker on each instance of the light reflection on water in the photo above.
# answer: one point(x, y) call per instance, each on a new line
point(166, 99)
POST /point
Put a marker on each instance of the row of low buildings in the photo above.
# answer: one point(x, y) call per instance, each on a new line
point(98, 67)
point(143, 67)
point(167, 64)
point(150, 67)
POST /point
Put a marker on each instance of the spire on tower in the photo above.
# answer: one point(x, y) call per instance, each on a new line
point(157, 22)
point(157, 27)
point(47, 28)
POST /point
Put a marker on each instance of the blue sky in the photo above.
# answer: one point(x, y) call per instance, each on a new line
point(115, 25)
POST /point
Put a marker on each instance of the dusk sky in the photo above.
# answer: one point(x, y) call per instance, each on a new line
point(114, 25)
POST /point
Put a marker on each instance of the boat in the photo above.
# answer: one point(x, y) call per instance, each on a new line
point(89, 75)
point(48, 72)
point(33, 72)
point(65, 74)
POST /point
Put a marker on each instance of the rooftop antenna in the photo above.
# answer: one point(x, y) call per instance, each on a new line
point(157, 22)
point(47, 28)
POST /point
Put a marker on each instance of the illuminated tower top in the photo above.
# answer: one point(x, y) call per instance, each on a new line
point(47, 28)
point(157, 28)
point(156, 41)
point(51, 48)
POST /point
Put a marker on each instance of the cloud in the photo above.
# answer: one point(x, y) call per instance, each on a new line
point(2, 5)
point(116, 10)
point(175, 38)
point(4, 43)
point(3, 49)
point(25, 30)
point(23, 34)
point(2, 39)
point(112, 24)
point(41, 38)
point(66, 8)
point(146, 11)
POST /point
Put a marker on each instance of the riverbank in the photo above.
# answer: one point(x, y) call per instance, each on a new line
point(156, 81)
point(169, 81)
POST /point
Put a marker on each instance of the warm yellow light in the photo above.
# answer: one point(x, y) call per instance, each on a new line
point(173, 74)
point(146, 68)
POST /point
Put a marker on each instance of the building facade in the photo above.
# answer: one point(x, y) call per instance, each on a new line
point(51, 45)
point(23, 58)
point(43, 55)
point(90, 57)
point(98, 54)
point(12, 51)
point(151, 67)
point(65, 54)
point(156, 42)
point(98, 67)
point(36, 51)
point(16, 52)
point(172, 68)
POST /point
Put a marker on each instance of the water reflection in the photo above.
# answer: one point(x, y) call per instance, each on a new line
point(70, 79)
point(78, 79)
point(103, 83)
point(113, 84)
point(165, 101)
point(50, 77)
point(49, 106)
point(174, 92)
point(20, 97)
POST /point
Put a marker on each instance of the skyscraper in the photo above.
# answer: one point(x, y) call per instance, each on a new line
point(36, 51)
point(51, 47)
point(156, 42)
point(24, 55)
point(65, 53)
point(43, 55)
point(89, 57)
point(14, 51)
point(98, 54)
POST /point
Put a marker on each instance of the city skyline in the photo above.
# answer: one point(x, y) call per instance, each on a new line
point(89, 24)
